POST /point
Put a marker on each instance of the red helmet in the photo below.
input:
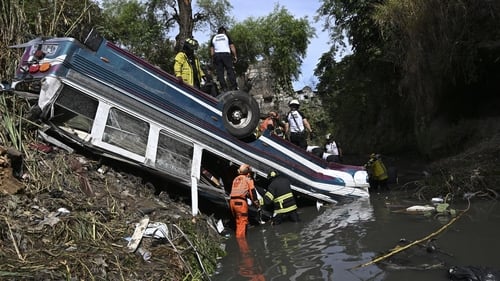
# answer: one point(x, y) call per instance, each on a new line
point(244, 169)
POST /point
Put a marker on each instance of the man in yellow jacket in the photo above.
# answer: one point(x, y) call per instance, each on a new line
point(187, 65)
point(377, 173)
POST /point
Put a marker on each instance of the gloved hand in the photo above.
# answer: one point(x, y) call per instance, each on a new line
point(256, 203)
point(179, 80)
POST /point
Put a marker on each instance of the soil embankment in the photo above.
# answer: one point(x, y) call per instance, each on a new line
point(68, 217)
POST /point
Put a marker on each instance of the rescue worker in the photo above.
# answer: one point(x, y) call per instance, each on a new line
point(333, 153)
point(242, 188)
point(297, 124)
point(187, 65)
point(377, 172)
point(273, 123)
point(279, 195)
point(223, 54)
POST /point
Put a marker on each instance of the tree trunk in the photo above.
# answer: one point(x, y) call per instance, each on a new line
point(185, 22)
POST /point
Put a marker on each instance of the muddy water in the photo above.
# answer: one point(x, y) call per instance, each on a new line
point(331, 243)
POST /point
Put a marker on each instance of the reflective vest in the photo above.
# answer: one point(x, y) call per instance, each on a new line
point(242, 188)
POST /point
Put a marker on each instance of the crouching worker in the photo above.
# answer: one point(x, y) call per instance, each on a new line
point(280, 196)
point(377, 172)
point(243, 188)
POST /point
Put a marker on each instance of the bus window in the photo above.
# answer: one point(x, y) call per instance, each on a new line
point(74, 110)
point(174, 156)
point(126, 131)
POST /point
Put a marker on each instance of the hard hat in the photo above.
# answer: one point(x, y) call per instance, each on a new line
point(191, 43)
point(328, 136)
point(272, 174)
point(244, 169)
point(294, 102)
point(372, 155)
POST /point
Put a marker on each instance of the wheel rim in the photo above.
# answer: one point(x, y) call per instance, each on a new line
point(239, 115)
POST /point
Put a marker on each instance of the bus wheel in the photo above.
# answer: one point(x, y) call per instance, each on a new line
point(240, 113)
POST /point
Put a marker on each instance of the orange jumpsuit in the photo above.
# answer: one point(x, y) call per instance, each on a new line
point(243, 188)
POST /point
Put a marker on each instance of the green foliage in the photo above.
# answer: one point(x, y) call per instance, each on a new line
point(279, 38)
point(135, 26)
point(350, 23)
point(73, 18)
point(413, 61)
point(216, 14)
point(143, 26)
point(357, 92)
point(13, 128)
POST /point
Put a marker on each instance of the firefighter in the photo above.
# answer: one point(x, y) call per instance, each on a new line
point(377, 172)
point(243, 188)
point(187, 67)
point(279, 195)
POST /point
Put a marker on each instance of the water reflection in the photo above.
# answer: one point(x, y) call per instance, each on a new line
point(323, 244)
point(327, 244)
point(246, 266)
point(332, 239)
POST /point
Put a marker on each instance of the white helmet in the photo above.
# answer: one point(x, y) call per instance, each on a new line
point(294, 102)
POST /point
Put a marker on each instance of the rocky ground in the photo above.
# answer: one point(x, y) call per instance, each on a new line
point(68, 218)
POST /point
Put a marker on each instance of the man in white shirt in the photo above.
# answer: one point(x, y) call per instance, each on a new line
point(296, 125)
point(333, 153)
point(223, 52)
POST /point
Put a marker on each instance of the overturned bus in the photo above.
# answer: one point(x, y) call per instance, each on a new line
point(105, 99)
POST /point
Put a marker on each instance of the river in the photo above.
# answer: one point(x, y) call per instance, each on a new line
point(333, 242)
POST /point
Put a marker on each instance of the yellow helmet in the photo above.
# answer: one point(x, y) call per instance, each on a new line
point(244, 169)
point(191, 43)
point(272, 174)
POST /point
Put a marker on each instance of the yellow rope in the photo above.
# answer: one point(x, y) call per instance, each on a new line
point(402, 248)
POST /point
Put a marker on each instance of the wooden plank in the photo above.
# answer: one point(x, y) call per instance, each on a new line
point(138, 233)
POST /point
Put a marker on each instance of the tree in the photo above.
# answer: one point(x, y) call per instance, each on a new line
point(350, 24)
point(278, 38)
point(143, 27)
point(134, 25)
point(419, 62)
point(180, 12)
